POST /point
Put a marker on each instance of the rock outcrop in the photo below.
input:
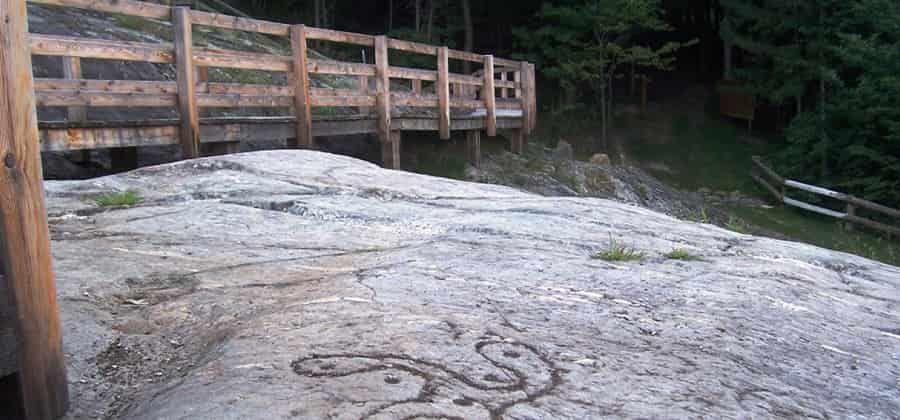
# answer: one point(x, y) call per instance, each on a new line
point(301, 284)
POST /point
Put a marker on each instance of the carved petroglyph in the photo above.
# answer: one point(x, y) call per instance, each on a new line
point(508, 373)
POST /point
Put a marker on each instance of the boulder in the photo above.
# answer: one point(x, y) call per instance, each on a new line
point(563, 151)
point(600, 159)
point(299, 284)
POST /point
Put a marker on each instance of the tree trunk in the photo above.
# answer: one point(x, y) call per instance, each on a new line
point(431, 7)
point(317, 11)
point(603, 114)
point(418, 11)
point(470, 33)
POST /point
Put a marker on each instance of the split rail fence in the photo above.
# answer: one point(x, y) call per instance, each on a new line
point(501, 95)
point(777, 185)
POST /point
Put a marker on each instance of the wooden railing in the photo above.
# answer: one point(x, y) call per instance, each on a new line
point(515, 85)
point(777, 185)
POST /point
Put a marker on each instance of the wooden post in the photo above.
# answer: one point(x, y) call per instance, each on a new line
point(517, 140)
point(72, 70)
point(25, 241)
point(390, 151)
point(532, 105)
point(78, 114)
point(417, 86)
point(383, 89)
point(184, 69)
point(364, 90)
point(851, 212)
point(443, 91)
point(525, 98)
point(517, 78)
point(487, 93)
point(503, 91)
point(473, 147)
point(302, 103)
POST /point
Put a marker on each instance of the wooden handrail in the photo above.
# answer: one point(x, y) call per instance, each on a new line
point(451, 90)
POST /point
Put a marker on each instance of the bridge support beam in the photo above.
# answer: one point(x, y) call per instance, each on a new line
point(390, 151)
point(517, 141)
point(473, 147)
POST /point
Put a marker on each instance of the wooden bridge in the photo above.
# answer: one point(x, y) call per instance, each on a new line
point(499, 96)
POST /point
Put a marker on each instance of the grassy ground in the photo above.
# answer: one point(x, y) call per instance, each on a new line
point(803, 226)
point(707, 152)
point(689, 150)
point(701, 153)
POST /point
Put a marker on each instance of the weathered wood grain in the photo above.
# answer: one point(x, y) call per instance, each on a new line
point(104, 99)
point(53, 45)
point(390, 151)
point(302, 99)
point(239, 23)
point(25, 244)
point(340, 36)
point(443, 91)
point(473, 147)
point(184, 69)
point(111, 86)
point(383, 89)
point(72, 71)
point(487, 93)
point(125, 7)
point(341, 68)
point(241, 60)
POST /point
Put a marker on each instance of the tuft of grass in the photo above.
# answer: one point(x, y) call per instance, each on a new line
point(735, 224)
point(700, 216)
point(681, 254)
point(616, 251)
point(125, 198)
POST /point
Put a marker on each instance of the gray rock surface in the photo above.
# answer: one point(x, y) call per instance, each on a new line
point(297, 284)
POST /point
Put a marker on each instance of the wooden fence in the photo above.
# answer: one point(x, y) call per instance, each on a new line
point(777, 185)
point(499, 96)
point(493, 103)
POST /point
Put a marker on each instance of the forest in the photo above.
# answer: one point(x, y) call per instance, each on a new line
point(823, 73)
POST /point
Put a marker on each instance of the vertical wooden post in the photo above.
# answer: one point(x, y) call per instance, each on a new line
point(443, 91)
point(851, 211)
point(383, 89)
point(504, 93)
point(184, 69)
point(417, 86)
point(532, 105)
point(72, 70)
point(363, 83)
point(525, 98)
point(487, 93)
point(302, 104)
point(473, 147)
point(71, 67)
point(390, 151)
point(517, 78)
point(517, 140)
point(25, 239)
